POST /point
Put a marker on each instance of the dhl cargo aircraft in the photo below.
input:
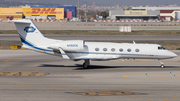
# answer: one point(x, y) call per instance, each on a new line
point(76, 50)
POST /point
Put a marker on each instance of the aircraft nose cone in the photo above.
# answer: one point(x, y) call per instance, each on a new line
point(173, 55)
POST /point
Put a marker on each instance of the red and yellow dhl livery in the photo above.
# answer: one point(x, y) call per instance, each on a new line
point(58, 12)
point(43, 11)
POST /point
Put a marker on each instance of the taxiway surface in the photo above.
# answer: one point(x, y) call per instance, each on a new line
point(66, 80)
point(15, 37)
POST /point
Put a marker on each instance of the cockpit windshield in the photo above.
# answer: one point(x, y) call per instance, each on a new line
point(161, 48)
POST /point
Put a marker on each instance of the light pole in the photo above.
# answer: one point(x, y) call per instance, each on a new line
point(78, 10)
point(86, 12)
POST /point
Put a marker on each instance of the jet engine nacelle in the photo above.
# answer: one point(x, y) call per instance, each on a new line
point(72, 45)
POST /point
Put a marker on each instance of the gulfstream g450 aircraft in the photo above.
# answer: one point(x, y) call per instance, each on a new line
point(75, 50)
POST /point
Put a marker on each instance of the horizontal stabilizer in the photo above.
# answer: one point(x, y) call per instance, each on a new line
point(20, 21)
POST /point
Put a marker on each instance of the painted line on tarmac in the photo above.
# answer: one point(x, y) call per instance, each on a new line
point(4, 83)
point(41, 89)
point(154, 76)
point(105, 93)
point(134, 89)
point(23, 73)
point(6, 60)
point(110, 94)
point(172, 99)
point(139, 98)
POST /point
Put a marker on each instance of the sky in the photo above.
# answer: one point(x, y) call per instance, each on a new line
point(109, 2)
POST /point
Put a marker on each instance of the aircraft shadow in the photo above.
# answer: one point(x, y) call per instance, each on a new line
point(80, 67)
point(106, 67)
point(59, 66)
point(48, 65)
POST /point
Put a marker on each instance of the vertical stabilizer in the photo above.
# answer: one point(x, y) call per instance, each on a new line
point(29, 33)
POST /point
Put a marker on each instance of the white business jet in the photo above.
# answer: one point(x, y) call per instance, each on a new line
point(76, 50)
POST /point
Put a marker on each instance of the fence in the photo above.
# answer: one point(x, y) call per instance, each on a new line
point(106, 21)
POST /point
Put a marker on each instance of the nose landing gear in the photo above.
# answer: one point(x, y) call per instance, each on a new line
point(162, 64)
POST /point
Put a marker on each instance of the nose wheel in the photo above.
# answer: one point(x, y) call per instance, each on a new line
point(162, 66)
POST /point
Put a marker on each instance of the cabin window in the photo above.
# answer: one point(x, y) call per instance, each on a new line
point(137, 50)
point(113, 49)
point(121, 50)
point(105, 49)
point(161, 48)
point(96, 49)
point(129, 50)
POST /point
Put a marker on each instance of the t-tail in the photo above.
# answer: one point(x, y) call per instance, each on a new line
point(31, 36)
point(33, 39)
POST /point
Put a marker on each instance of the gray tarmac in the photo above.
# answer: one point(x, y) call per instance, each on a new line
point(66, 80)
point(15, 37)
point(98, 25)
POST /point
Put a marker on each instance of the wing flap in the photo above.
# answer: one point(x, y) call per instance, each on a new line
point(64, 55)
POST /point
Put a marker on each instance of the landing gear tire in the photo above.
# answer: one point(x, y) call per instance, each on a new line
point(162, 66)
point(85, 66)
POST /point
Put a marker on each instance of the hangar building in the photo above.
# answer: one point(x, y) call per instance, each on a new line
point(11, 13)
point(39, 12)
point(146, 13)
point(32, 13)
point(166, 13)
point(116, 14)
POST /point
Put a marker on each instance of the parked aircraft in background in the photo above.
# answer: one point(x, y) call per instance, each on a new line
point(76, 50)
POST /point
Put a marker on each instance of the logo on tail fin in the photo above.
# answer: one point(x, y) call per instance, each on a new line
point(29, 29)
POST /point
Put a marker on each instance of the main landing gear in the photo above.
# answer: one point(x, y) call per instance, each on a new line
point(86, 64)
point(162, 64)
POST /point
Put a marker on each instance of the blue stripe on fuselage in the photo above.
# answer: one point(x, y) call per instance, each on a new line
point(27, 43)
